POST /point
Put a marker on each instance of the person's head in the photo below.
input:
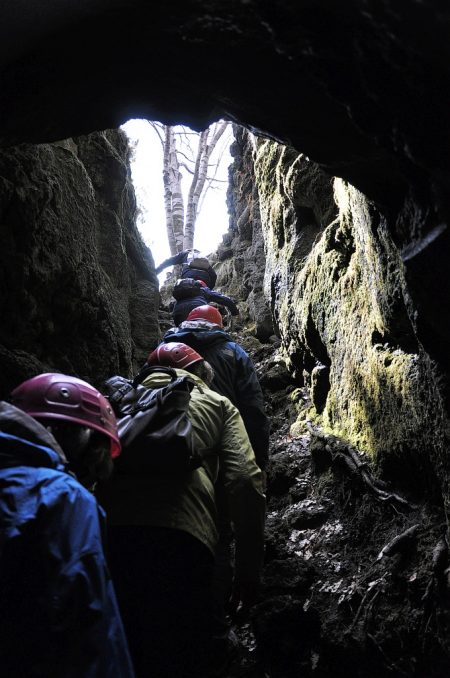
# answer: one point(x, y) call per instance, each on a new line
point(78, 416)
point(206, 312)
point(192, 274)
point(177, 354)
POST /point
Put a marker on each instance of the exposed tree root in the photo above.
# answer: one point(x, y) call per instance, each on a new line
point(336, 453)
point(401, 543)
point(437, 584)
point(367, 602)
point(391, 665)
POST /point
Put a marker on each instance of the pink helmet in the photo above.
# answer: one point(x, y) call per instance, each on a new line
point(173, 354)
point(58, 396)
point(206, 312)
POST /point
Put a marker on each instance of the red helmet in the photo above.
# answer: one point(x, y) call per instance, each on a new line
point(173, 354)
point(58, 396)
point(206, 312)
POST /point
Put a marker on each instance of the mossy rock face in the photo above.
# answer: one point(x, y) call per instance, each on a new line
point(241, 276)
point(342, 306)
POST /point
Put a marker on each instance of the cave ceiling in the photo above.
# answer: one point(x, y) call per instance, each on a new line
point(361, 87)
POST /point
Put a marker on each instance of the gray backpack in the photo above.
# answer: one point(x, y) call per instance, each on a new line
point(154, 426)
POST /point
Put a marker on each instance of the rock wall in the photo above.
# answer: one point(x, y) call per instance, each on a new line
point(349, 328)
point(241, 259)
point(78, 292)
point(361, 87)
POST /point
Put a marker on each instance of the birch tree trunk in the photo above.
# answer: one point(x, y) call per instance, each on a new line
point(180, 227)
point(168, 192)
point(207, 142)
point(192, 202)
point(177, 195)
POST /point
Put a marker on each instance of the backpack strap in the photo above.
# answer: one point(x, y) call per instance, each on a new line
point(118, 388)
point(149, 369)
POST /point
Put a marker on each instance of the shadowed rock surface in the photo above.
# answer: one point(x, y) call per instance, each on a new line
point(356, 574)
point(356, 87)
point(353, 270)
point(78, 292)
point(346, 318)
point(361, 89)
point(241, 258)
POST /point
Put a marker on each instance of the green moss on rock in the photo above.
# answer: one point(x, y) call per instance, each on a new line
point(341, 302)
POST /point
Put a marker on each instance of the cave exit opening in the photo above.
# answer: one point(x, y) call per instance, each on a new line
point(150, 167)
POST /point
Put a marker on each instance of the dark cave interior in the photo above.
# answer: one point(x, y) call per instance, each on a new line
point(362, 88)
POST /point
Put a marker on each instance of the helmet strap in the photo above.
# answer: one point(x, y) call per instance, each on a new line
point(87, 451)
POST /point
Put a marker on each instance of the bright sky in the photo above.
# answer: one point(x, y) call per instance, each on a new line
point(146, 170)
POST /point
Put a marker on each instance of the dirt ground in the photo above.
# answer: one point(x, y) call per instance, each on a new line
point(356, 574)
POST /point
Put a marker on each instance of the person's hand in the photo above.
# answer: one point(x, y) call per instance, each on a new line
point(244, 596)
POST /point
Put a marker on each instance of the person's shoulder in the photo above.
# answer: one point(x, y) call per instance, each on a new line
point(204, 394)
point(60, 484)
point(238, 349)
point(170, 335)
point(222, 401)
point(226, 349)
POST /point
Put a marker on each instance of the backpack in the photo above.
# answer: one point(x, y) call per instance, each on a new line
point(193, 260)
point(153, 424)
point(199, 268)
point(186, 288)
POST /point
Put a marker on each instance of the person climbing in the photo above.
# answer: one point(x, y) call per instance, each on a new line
point(195, 286)
point(163, 531)
point(190, 293)
point(193, 266)
point(234, 372)
point(234, 377)
point(59, 614)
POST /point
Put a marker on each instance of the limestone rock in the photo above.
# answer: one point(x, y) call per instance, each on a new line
point(346, 318)
point(241, 257)
point(78, 293)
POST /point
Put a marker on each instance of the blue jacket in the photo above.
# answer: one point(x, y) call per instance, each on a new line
point(234, 377)
point(182, 308)
point(59, 616)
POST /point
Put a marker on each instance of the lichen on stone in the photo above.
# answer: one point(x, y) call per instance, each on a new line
point(342, 305)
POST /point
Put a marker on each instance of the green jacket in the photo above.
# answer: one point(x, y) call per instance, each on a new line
point(188, 503)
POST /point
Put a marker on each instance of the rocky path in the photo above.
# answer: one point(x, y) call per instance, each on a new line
point(355, 580)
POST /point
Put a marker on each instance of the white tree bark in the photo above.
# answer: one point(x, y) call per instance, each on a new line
point(168, 192)
point(173, 196)
point(180, 227)
point(207, 143)
point(192, 202)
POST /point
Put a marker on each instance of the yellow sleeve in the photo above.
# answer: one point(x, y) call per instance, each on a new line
point(242, 480)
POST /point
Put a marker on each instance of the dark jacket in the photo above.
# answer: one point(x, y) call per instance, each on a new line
point(59, 616)
point(183, 307)
point(234, 377)
point(176, 260)
point(188, 502)
point(209, 276)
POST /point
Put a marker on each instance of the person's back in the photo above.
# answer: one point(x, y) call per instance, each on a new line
point(193, 265)
point(190, 296)
point(59, 614)
point(172, 520)
point(234, 373)
point(188, 502)
point(195, 287)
